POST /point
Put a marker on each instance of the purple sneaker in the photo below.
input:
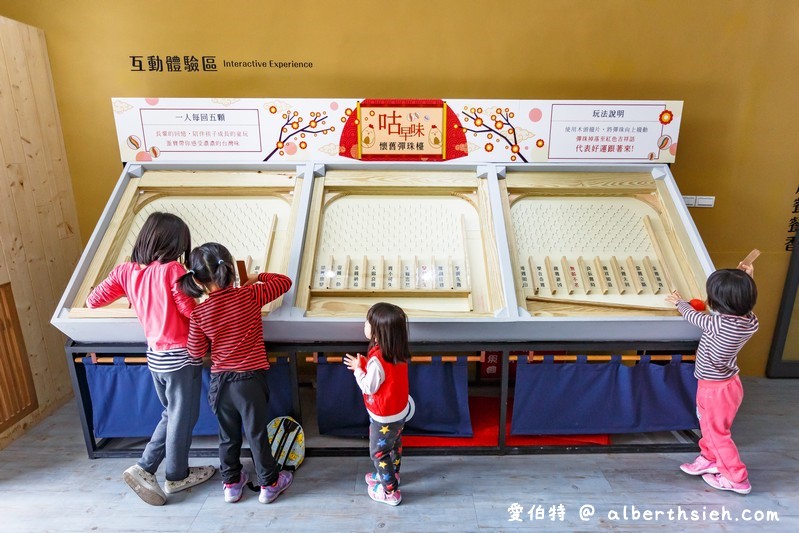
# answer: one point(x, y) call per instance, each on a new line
point(717, 481)
point(372, 479)
point(269, 493)
point(700, 466)
point(233, 491)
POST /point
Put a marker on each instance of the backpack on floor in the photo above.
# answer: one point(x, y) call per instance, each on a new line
point(288, 442)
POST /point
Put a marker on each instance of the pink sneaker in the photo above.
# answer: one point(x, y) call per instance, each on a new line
point(717, 481)
point(700, 466)
point(234, 491)
point(378, 494)
point(269, 493)
point(372, 479)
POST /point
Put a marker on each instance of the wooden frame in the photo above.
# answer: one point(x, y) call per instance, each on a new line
point(480, 295)
point(17, 392)
point(330, 319)
point(158, 185)
point(484, 308)
point(611, 285)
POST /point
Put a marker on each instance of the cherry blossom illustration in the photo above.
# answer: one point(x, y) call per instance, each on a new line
point(293, 134)
point(498, 129)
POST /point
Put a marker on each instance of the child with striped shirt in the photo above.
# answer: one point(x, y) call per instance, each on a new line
point(149, 281)
point(731, 295)
point(229, 323)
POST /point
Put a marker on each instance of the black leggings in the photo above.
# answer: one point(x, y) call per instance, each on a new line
point(241, 403)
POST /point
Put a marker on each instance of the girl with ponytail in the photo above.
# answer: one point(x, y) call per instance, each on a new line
point(228, 323)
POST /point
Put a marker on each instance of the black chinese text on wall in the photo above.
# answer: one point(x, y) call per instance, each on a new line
point(793, 224)
point(192, 63)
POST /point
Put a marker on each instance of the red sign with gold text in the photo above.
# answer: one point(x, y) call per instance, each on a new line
point(403, 130)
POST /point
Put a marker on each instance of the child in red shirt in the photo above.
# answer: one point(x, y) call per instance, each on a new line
point(229, 323)
point(383, 378)
point(149, 281)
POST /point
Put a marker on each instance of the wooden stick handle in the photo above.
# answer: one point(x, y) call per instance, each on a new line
point(658, 253)
point(414, 359)
point(565, 358)
point(241, 266)
point(130, 360)
point(749, 259)
point(590, 303)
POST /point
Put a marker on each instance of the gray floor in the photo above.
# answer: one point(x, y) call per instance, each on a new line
point(48, 484)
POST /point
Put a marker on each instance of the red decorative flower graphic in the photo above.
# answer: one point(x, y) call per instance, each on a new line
point(295, 121)
point(500, 119)
point(666, 117)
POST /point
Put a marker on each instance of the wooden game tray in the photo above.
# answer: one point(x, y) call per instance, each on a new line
point(252, 213)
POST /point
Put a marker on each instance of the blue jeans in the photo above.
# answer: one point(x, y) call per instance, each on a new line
point(179, 392)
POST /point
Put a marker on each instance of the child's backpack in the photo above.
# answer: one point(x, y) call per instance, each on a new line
point(288, 442)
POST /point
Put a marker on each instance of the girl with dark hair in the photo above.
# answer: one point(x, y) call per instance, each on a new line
point(229, 323)
point(149, 281)
point(731, 296)
point(383, 379)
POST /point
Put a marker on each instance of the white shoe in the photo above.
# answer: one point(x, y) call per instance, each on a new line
point(197, 475)
point(144, 485)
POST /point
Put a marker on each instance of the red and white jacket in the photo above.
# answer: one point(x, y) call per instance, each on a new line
point(385, 388)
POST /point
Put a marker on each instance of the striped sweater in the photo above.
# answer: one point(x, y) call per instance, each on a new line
point(723, 336)
point(229, 322)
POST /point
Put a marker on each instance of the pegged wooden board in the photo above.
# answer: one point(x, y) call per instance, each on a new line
point(406, 240)
point(250, 213)
point(597, 243)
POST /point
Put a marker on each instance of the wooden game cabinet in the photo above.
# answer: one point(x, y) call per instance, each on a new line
point(444, 241)
point(251, 211)
point(599, 243)
point(348, 206)
point(422, 239)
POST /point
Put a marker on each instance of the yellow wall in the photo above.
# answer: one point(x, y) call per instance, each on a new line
point(733, 62)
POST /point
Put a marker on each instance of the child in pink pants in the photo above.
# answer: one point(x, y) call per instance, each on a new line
point(731, 295)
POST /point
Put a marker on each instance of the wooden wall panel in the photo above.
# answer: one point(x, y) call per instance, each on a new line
point(39, 241)
point(17, 393)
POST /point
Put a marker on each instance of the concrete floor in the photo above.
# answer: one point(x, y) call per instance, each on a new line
point(47, 483)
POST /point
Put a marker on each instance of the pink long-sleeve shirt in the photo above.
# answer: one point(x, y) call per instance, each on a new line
point(153, 292)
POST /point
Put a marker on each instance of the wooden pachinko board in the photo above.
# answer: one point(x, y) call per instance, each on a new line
point(598, 244)
point(422, 240)
point(251, 213)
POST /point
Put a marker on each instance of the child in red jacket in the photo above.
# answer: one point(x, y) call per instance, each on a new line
point(383, 378)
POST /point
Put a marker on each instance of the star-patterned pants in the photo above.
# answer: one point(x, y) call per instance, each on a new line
point(385, 448)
